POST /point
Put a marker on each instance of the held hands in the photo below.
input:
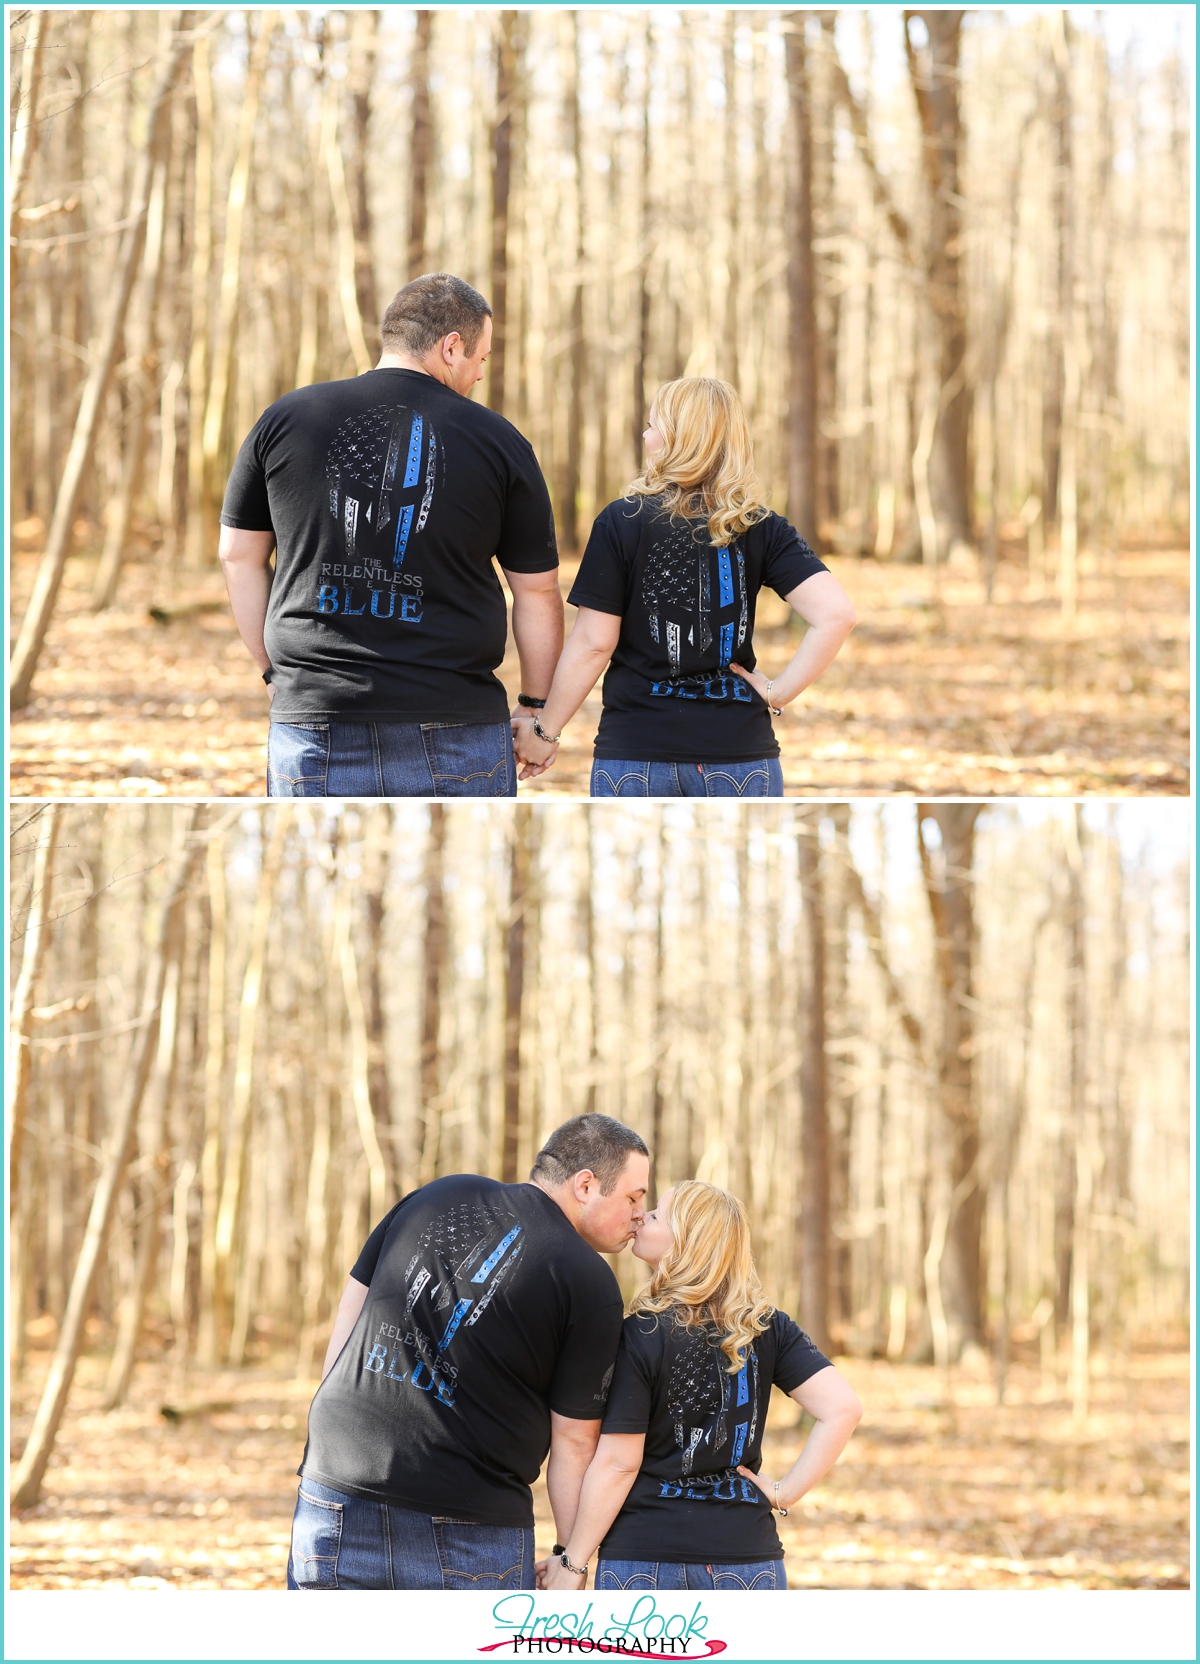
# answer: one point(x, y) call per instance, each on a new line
point(533, 753)
point(552, 1574)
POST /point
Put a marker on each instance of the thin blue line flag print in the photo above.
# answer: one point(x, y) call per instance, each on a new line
point(497, 1254)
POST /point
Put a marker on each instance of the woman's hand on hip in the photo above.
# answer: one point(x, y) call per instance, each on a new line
point(766, 1486)
point(756, 680)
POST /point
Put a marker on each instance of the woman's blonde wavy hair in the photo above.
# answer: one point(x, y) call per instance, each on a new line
point(706, 465)
point(706, 1279)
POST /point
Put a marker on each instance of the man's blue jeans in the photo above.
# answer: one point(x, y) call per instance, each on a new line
point(344, 1542)
point(620, 779)
point(654, 1574)
point(390, 759)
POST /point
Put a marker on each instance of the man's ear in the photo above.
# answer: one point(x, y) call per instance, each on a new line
point(448, 344)
point(583, 1181)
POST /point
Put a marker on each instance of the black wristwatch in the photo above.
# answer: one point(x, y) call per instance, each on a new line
point(559, 1548)
point(531, 704)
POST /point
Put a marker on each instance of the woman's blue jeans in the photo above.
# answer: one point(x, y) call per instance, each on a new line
point(629, 779)
point(390, 759)
point(660, 1574)
point(345, 1542)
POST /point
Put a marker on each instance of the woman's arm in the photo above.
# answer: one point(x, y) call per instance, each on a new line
point(589, 648)
point(827, 610)
point(606, 1484)
point(833, 1403)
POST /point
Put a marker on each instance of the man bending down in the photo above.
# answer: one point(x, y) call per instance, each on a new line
point(478, 1331)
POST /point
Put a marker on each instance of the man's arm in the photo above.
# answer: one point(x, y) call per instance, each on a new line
point(572, 1446)
point(246, 563)
point(605, 1487)
point(351, 1304)
point(537, 623)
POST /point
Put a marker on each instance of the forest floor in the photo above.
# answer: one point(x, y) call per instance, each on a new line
point(935, 694)
point(925, 1497)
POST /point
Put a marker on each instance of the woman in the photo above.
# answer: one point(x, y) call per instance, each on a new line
point(666, 590)
point(673, 1498)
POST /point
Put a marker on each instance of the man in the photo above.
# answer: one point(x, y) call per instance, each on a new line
point(478, 1331)
point(385, 500)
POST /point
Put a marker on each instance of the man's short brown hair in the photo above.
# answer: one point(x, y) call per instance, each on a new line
point(430, 308)
point(596, 1142)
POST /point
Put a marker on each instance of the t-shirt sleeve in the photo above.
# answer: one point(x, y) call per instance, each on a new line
point(527, 542)
point(602, 581)
point(246, 507)
point(631, 1396)
point(789, 560)
point(796, 1358)
point(364, 1266)
point(585, 1363)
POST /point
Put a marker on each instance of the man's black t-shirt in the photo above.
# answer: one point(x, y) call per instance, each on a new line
point(485, 1311)
point(689, 1504)
point(389, 497)
point(687, 613)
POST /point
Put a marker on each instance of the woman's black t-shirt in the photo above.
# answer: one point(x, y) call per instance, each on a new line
point(485, 1310)
point(687, 613)
point(390, 497)
point(689, 1504)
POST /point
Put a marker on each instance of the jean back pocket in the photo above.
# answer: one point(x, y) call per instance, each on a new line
point(316, 1542)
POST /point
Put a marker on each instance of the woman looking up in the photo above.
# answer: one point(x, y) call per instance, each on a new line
point(673, 1498)
point(666, 590)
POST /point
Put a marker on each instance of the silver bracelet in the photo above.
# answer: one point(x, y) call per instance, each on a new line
point(782, 1511)
point(580, 1571)
point(775, 710)
point(546, 739)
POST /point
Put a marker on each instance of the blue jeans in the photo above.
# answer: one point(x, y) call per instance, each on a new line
point(343, 1542)
point(656, 1574)
point(619, 779)
point(390, 759)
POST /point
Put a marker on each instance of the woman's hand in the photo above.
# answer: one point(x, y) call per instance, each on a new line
point(558, 1577)
point(534, 753)
point(756, 680)
point(767, 1487)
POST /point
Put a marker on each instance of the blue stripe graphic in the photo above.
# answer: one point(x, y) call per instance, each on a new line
point(402, 527)
point(497, 1254)
point(726, 644)
point(743, 1385)
point(724, 578)
point(412, 467)
point(456, 1317)
point(739, 1441)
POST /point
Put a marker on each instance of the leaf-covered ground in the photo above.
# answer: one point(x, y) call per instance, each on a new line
point(925, 1497)
point(935, 695)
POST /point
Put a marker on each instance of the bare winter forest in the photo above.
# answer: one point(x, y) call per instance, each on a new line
point(941, 1050)
point(943, 254)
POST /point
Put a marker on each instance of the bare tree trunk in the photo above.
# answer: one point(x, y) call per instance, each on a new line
point(420, 145)
point(198, 530)
point(569, 516)
point(433, 983)
point(363, 57)
point(344, 221)
point(935, 80)
point(25, 135)
point(36, 622)
point(802, 319)
point(520, 874)
point(243, 1076)
point(216, 407)
point(733, 190)
point(360, 1082)
point(814, 1108)
point(27, 1480)
point(502, 127)
point(108, 572)
point(157, 1155)
point(214, 1073)
point(21, 1015)
point(640, 411)
point(949, 887)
